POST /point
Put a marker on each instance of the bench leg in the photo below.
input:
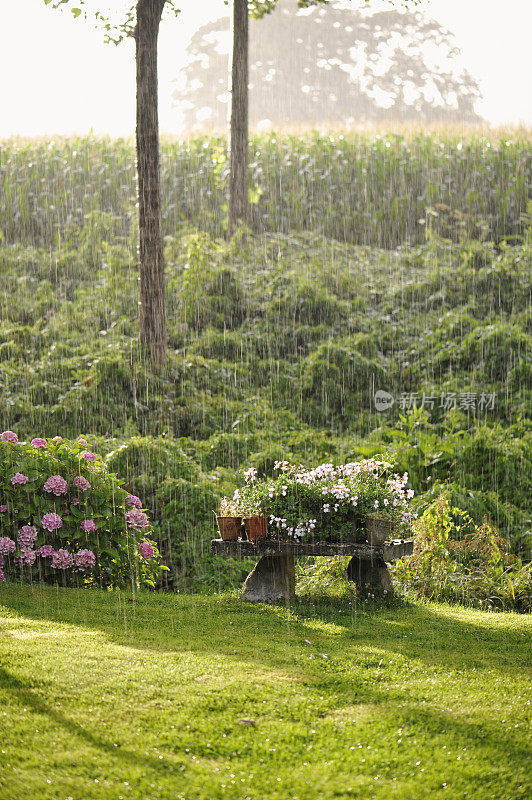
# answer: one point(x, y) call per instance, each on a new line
point(369, 573)
point(273, 579)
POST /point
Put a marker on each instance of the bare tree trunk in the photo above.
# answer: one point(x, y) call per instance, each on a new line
point(152, 284)
point(238, 154)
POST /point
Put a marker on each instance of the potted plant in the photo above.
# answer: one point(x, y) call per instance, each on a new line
point(252, 501)
point(229, 521)
point(379, 528)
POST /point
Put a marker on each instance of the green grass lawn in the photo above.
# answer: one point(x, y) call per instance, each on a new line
point(189, 697)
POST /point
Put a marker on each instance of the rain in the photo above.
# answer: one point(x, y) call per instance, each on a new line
point(266, 410)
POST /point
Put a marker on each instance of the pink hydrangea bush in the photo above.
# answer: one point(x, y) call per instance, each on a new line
point(64, 517)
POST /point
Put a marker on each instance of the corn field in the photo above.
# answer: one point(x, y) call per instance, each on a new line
point(364, 188)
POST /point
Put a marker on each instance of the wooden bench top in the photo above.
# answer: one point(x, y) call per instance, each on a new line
point(390, 551)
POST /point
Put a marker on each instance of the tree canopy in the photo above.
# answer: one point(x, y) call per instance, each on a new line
point(336, 64)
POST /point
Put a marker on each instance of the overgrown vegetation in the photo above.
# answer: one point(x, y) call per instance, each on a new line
point(278, 341)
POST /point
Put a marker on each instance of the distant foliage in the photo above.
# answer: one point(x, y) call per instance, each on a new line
point(457, 560)
point(64, 518)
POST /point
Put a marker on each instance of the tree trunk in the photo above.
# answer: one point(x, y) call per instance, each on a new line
point(152, 284)
point(238, 152)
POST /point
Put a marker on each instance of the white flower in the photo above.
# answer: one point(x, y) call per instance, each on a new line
point(250, 475)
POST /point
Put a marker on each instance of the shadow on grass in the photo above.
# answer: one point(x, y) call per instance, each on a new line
point(28, 698)
point(274, 635)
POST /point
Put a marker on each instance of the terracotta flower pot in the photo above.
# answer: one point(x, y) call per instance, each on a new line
point(229, 527)
point(255, 528)
point(378, 530)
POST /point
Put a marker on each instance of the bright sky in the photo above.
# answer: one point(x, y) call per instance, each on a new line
point(59, 78)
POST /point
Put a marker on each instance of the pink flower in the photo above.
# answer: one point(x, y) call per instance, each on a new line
point(3, 509)
point(133, 500)
point(81, 483)
point(85, 558)
point(28, 556)
point(146, 550)
point(18, 477)
point(88, 456)
point(88, 525)
point(51, 521)
point(45, 551)
point(39, 442)
point(7, 545)
point(26, 537)
point(80, 440)
point(57, 439)
point(136, 519)
point(9, 436)
point(75, 501)
point(56, 484)
point(62, 559)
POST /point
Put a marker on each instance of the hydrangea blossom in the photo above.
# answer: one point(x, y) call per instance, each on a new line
point(81, 483)
point(62, 559)
point(9, 436)
point(7, 545)
point(26, 537)
point(3, 509)
point(19, 478)
point(88, 456)
point(133, 500)
point(38, 442)
point(28, 556)
point(57, 485)
point(45, 551)
point(88, 526)
point(57, 439)
point(51, 521)
point(84, 559)
point(136, 519)
point(80, 440)
point(146, 550)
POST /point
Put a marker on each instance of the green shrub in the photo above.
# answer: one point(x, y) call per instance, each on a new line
point(458, 561)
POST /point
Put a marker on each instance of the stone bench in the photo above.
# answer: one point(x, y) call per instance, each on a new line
point(273, 577)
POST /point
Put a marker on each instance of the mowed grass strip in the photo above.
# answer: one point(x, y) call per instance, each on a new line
point(193, 697)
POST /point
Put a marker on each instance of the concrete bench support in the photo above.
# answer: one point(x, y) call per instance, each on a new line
point(370, 574)
point(272, 580)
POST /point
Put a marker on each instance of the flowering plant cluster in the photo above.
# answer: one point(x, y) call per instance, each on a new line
point(62, 514)
point(328, 502)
